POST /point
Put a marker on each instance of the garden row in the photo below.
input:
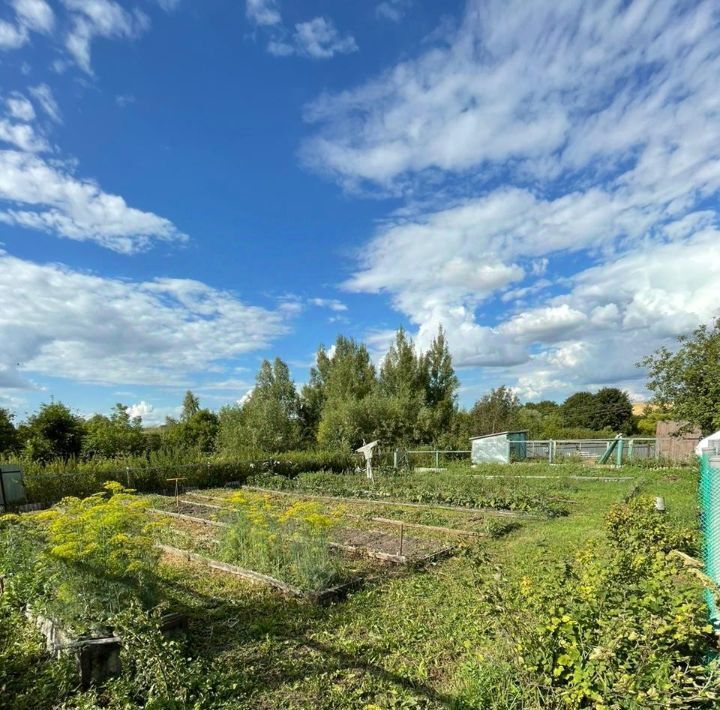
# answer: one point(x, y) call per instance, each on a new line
point(426, 488)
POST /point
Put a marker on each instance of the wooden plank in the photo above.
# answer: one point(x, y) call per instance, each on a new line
point(251, 575)
point(321, 596)
point(190, 518)
point(369, 552)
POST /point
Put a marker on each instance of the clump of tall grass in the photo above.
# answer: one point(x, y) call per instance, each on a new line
point(289, 544)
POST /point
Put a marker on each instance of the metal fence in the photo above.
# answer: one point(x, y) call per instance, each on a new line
point(710, 523)
point(554, 450)
point(551, 450)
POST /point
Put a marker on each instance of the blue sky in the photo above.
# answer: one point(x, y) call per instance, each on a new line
point(186, 188)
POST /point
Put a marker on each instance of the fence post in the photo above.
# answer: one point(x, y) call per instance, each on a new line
point(437, 459)
point(551, 446)
point(631, 445)
point(619, 452)
point(127, 474)
point(395, 459)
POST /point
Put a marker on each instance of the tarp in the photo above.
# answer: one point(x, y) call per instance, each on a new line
point(706, 443)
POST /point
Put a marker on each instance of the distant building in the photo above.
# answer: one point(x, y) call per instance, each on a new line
point(673, 445)
point(501, 447)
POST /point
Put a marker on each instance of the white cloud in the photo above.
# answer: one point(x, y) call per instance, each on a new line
point(12, 36)
point(65, 323)
point(48, 197)
point(30, 15)
point(517, 82)
point(168, 5)
point(141, 409)
point(263, 12)
point(36, 15)
point(332, 303)
point(99, 18)
point(42, 93)
point(393, 10)
point(22, 136)
point(560, 158)
point(317, 38)
point(20, 108)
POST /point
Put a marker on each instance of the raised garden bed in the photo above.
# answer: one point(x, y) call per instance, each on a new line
point(322, 596)
point(395, 546)
point(97, 658)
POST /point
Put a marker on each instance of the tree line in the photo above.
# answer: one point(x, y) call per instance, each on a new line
point(410, 400)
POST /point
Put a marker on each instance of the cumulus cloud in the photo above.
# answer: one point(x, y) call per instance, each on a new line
point(22, 136)
point(578, 147)
point(36, 15)
point(20, 108)
point(65, 323)
point(12, 36)
point(317, 38)
point(30, 15)
point(48, 197)
point(263, 12)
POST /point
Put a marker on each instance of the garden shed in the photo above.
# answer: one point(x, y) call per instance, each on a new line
point(501, 447)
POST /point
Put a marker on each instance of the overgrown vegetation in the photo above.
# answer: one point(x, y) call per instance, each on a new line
point(583, 610)
point(289, 544)
point(82, 561)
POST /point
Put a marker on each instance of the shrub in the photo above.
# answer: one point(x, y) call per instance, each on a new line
point(83, 560)
point(619, 626)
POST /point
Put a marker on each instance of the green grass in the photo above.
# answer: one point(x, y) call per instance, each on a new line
point(415, 639)
point(412, 641)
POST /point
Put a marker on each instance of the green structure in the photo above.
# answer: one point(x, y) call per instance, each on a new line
point(12, 488)
point(710, 525)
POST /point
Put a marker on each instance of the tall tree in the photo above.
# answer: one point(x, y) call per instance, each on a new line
point(191, 406)
point(495, 412)
point(53, 433)
point(270, 414)
point(578, 410)
point(441, 384)
point(402, 373)
point(116, 435)
point(688, 380)
point(341, 376)
point(612, 410)
point(9, 441)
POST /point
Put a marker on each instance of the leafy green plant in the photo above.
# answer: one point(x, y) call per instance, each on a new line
point(83, 560)
point(423, 488)
point(290, 543)
point(619, 626)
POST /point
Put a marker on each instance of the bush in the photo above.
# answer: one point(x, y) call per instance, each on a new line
point(620, 626)
point(48, 484)
point(82, 561)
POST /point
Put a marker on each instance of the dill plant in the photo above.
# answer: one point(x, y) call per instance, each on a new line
point(83, 560)
point(290, 544)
